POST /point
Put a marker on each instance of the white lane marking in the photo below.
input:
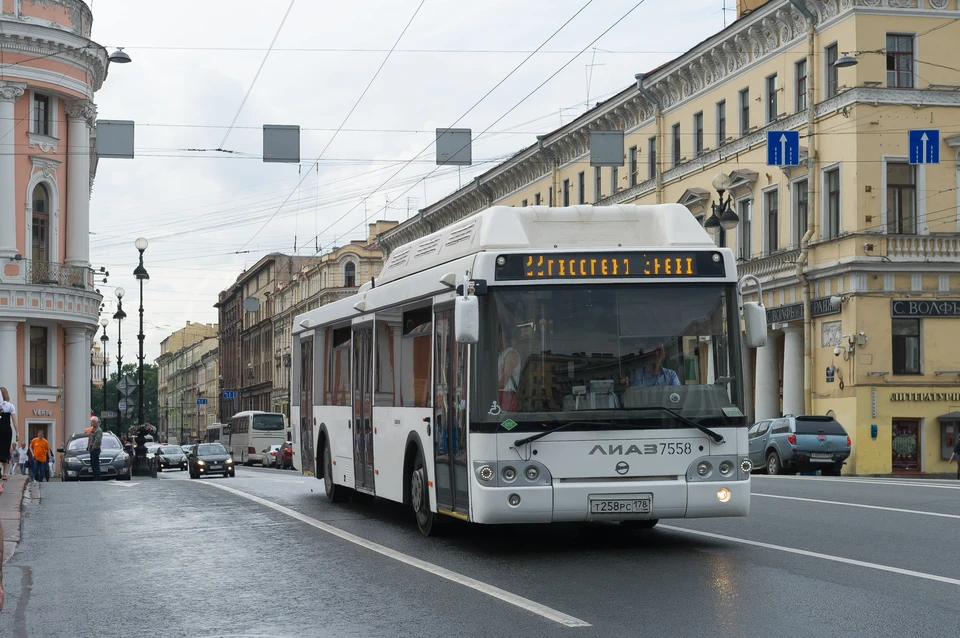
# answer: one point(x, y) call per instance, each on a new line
point(121, 483)
point(869, 507)
point(466, 581)
point(859, 481)
point(829, 557)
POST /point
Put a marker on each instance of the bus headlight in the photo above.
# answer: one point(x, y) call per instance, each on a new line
point(485, 473)
point(509, 474)
point(723, 495)
point(726, 468)
point(703, 468)
point(532, 473)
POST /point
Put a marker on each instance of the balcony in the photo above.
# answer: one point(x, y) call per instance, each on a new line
point(923, 247)
point(773, 266)
point(48, 273)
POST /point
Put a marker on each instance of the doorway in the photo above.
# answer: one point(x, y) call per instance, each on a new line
point(306, 406)
point(450, 414)
point(906, 445)
point(362, 406)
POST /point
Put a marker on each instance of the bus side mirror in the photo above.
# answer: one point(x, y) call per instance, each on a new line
point(466, 319)
point(755, 324)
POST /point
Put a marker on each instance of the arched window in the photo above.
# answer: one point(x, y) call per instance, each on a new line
point(41, 223)
point(349, 274)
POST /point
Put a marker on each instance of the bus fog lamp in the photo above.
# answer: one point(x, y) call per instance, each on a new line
point(746, 466)
point(723, 495)
point(703, 468)
point(726, 468)
point(532, 473)
point(485, 472)
point(509, 474)
point(514, 500)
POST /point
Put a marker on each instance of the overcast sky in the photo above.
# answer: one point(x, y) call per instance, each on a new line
point(193, 62)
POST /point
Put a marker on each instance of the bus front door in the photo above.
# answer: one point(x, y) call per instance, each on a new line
point(362, 406)
point(450, 418)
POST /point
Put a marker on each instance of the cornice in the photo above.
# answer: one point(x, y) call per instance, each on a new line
point(45, 41)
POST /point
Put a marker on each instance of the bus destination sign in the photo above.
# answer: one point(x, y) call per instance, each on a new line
point(609, 265)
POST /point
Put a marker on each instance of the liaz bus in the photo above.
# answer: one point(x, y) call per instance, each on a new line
point(250, 432)
point(535, 365)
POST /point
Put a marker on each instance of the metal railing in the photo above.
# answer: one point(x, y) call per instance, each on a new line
point(783, 263)
point(51, 273)
point(923, 246)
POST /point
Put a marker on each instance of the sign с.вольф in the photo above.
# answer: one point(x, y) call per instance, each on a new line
point(924, 308)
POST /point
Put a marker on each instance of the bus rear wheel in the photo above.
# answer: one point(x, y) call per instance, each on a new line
point(420, 499)
point(334, 493)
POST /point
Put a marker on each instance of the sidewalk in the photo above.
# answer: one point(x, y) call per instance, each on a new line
point(14, 490)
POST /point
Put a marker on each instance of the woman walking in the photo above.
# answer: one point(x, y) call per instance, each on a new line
point(8, 431)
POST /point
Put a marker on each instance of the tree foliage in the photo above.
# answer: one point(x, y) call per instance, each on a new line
point(150, 372)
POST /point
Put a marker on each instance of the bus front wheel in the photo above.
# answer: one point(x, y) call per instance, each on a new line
point(334, 493)
point(420, 498)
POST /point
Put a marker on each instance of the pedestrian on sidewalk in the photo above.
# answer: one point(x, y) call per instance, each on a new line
point(41, 454)
point(8, 431)
point(956, 456)
point(24, 458)
point(93, 446)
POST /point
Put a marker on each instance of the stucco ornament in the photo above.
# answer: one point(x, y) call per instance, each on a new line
point(10, 93)
point(81, 110)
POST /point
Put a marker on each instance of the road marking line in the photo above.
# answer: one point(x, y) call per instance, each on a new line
point(466, 581)
point(870, 507)
point(858, 481)
point(123, 484)
point(829, 557)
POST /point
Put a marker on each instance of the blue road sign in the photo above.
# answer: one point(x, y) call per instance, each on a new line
point(783, 148)
point(201, 401)
point(230, 394)
point(925, 146)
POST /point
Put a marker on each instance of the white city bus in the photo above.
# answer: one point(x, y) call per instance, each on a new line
point(252, 431)
point(590, 369)
point(214, 433)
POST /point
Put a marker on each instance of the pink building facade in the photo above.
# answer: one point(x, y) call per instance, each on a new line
point(49, 304)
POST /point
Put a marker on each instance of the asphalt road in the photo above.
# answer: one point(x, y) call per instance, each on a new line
point(264, 554)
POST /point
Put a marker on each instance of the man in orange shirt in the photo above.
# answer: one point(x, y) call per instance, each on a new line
point(41, 454)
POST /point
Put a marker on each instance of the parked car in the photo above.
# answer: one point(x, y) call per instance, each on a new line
point(170, 457)
point(285, 456)
point(210, 458)
point(75, 464)
point(269, 456)
point(799, 443)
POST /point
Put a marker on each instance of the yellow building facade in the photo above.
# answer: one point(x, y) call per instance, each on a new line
point(857, 247)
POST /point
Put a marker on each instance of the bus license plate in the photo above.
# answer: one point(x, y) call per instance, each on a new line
point(620, 505)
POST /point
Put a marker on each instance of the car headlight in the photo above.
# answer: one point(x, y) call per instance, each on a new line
point(200, 462)
point(229, 461)
point(72, 460)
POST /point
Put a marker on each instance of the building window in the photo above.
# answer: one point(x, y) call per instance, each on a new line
point(41, 114)
point(900, 61)
point(38, 355)
point(41, 224)
point(772, 98)
point(676, 144)
point(832, 73)
point(597, 185)
point(614, 179)
point(771, 211)
point(698, 134)
point(581, 188)
point(566, 192)
point(744, 111)
point(536, 199)
point(523, 203)
point(831, 183)
point(634, 171)
point(906, 346)
point(652, 157)
point(802, 85)
point(721, 122)
point(800, 208)
point(901, 198)
point(745, 241)
point(349, 274)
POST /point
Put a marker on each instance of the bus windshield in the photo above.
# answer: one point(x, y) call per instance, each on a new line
point(268, 422)
point(610, 352)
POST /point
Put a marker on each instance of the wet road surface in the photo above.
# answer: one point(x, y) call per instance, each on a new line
point(263, 554)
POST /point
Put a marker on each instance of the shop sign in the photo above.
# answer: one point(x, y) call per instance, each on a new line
point(42, 413)
point(925, 308)
point(821, 307)
point(925, 396)
point(785, 314)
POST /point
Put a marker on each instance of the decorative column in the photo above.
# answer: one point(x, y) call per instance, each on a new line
point(767, 403)
point(8, 353)
point(87, 398)
point(10, 92)
point(80, 115)
point(76, 389)
point(793, 371)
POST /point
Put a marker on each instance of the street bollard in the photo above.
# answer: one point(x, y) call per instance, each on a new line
point(153, 467)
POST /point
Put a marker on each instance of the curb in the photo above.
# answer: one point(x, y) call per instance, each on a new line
point(12, 538)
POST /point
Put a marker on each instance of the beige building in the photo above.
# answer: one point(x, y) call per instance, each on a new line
point(178, 353)
point(857, 246)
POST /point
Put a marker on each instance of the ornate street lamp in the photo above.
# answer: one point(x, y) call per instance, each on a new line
point(141, 274)
point(119, 316)
point(723, 214)
point(103, 360)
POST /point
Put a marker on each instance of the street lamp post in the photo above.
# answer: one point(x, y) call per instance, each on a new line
point(723, 216)
point(119, 316)
point(141, 274)
point(103, 361)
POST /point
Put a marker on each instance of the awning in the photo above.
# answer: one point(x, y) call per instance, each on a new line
point(952, 417)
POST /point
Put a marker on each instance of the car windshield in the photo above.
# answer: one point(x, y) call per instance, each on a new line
point(80, 444)
point(272, 422)
point(171, 449)
point(596, 353)
point(211, 448)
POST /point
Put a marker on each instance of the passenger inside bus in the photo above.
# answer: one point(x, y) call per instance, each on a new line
point(652, 372)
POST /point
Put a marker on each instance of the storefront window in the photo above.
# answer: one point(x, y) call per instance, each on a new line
point(906, 346)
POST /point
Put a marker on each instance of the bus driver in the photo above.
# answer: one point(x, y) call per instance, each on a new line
point(653, 373)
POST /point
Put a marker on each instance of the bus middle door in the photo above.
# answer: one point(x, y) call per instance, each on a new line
point(362, 407)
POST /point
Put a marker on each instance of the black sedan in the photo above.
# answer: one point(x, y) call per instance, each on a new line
point(210, 458)
point(170, 457)
point(114, 462)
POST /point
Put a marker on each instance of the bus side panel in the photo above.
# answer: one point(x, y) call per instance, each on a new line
point(392, 427)
point(337, 420)
point(295, 437)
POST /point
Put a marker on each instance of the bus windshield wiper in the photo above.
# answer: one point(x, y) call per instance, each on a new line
point(540, 435)
point(716, 436)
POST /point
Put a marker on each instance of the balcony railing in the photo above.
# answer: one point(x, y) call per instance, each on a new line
point(49, 273)
point(779, 264)
point(910, 247)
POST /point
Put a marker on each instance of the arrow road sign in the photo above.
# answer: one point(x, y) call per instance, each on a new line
point(924, 146)
point(783, 148)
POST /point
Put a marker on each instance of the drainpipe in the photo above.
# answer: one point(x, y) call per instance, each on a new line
point(554, 171)
point(658, 117)
point(812, 190)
